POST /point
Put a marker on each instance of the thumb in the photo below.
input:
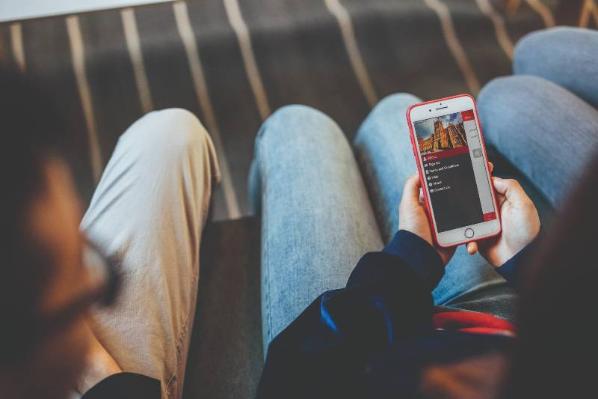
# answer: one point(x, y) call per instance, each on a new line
point(510, 188)
point(500, 185)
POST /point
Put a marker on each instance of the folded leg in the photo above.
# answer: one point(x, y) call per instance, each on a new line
point(149, 210)
point(384, 153)
point(546, 131)
point(565, 56)
point(317, 220)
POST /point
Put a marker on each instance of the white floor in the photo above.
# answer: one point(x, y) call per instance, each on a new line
point(11, 10)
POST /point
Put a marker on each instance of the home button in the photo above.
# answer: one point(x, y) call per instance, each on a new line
point(469, 233)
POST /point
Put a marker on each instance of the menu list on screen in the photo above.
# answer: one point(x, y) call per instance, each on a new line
point(454, 170)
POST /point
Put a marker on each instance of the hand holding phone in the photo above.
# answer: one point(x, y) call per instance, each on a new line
point(520, 224)
point(413, 218)
point(450, 155)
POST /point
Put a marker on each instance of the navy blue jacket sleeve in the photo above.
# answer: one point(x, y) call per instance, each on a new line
point(125, 386)
point(512, 269)
point(418, 255)
point(388, 297)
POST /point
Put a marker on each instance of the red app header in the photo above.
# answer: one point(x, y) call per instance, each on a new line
point(467, 115)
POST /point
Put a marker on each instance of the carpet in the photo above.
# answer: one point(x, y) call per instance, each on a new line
point(234, 62)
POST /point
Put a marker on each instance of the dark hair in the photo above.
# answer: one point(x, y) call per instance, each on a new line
point(31, 132)
point(558, 346)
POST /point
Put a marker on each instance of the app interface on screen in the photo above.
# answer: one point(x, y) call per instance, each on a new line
point(454, 170)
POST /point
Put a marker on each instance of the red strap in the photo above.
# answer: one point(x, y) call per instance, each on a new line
point(472, 322)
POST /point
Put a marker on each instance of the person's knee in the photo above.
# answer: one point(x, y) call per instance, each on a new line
point(169, 133)
point(536, 49)
point(509, 105)
point(494, 94)
point(292, 124)
point(513, 93)
point(397, 102)
point(496, 105)
point(182, 129)
point(391, 110)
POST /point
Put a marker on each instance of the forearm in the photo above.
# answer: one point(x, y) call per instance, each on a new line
point(385, 299)
point(420, 256)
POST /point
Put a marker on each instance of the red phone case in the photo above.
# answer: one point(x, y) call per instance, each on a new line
point(421, 173)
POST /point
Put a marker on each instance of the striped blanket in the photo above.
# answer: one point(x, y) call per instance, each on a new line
point(233, 62)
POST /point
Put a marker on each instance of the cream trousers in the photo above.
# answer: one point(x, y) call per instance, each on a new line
point(149, 210)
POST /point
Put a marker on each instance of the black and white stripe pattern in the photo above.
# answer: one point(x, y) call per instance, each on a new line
point(134, 47)
point(78, 61)
point(346, 26)
point(16, 41)
point(452, 41)
point(199, 83)
point(238, 24)
point(233, 62)
point(502, 36)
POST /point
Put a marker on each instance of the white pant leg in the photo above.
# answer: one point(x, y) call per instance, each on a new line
point(149, 210)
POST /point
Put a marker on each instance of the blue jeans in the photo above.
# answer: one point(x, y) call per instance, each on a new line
point(324, 205)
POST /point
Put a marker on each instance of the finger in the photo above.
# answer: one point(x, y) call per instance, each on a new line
point(472, 248)
point(490, 167)
point(411, 190)
point(499, 185)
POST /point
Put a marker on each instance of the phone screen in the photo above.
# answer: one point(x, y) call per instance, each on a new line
point(455, 171)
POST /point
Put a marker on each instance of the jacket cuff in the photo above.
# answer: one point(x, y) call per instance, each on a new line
point(419, 255)
point(511, 269)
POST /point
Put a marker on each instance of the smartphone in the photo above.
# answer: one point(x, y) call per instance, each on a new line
point(453, 169)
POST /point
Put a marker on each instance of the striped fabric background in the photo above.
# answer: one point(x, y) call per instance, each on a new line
point(232, 62)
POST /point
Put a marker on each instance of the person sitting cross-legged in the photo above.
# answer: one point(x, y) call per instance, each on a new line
point(142, 228)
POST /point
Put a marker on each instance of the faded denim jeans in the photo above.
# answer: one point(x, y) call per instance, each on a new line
point(324, 204)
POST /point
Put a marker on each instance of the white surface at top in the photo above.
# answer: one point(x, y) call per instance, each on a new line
point(11, 10)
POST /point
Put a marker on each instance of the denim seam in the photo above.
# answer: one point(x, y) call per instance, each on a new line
point(267, 259)
point(264, 258)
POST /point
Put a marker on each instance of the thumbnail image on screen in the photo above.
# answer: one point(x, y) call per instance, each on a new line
point(440, 134)
point(454, 170)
